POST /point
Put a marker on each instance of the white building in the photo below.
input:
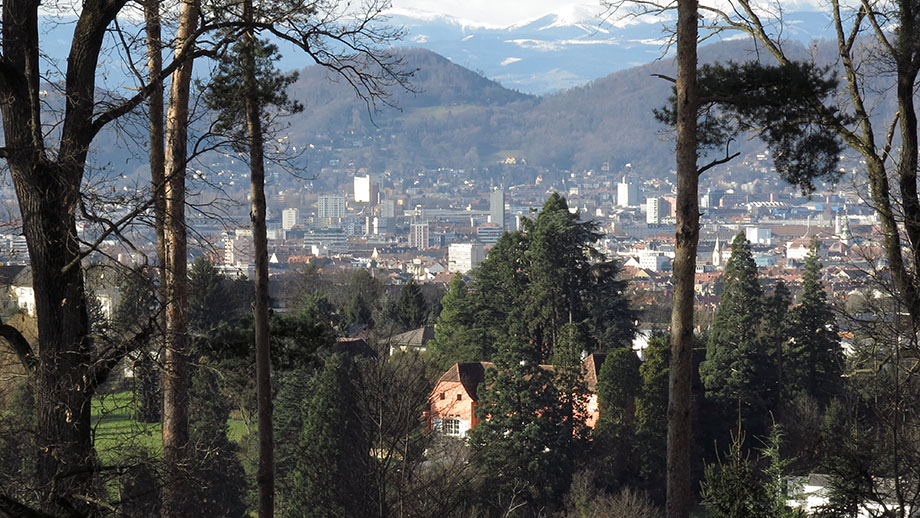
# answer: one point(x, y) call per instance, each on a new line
point(759, 235)
point(366, 190)
point(330, 206)
point(627, 194)
point(418, 236)
point(497, 208)
point(463, 257)
point(653, 211)
point(290, 218)
point(655, 261)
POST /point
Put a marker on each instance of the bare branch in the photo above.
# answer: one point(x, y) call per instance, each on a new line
point(20, 346)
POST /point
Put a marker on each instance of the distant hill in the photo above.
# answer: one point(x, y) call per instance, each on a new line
point(456, 118)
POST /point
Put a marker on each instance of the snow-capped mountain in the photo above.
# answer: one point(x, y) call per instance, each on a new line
point(561, 49)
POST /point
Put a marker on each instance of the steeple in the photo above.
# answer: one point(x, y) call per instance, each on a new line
point(717, 253)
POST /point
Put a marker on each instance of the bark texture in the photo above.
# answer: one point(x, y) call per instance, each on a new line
point(176, 365)
point(679, 496)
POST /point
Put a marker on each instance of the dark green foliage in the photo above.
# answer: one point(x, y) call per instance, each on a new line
point(458, 337)
point(733, 487)
point(362, 298)
point(535, 282)
point(737, 370)
point(652, 416)
point(329, 476)
point(619, 383)
point(777, 329)
point(212, 298)
point(140, 489)
point(814, 358)
point(18, 450)
point(411, 310)
point(524, 450)
point(778, 103)
point(226, 91)
point(219, 481)
point(147, 397)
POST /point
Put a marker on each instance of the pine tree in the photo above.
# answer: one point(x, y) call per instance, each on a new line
point(329, 477)
point(619, 384)
point(814, 356)
point(736, 373)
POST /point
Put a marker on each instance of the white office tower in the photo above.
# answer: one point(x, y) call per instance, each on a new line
point(290, 218)
point(418, 236)
point(388, 209)
point(497, 207)
point(758, 235)
point(653, 211)
point(463, 257)
point(330, 206)
point(627, 194)
point(366, 189)
point(238, 250)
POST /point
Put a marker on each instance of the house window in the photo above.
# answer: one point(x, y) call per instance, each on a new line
point(451, 425)
point(459, 397)
point(443, 395)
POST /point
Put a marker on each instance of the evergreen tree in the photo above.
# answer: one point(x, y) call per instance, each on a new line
point(736, 371)
point(458, 337)
point(619, 384)
point(540, 279)
point(362, 296)
point(525, 455)
point(220, 481)
point(211, 298)
point(652, 416)
point(815, 358)
point(777, 329)
point(139, 305)
point(329, 477)
point(411, 310)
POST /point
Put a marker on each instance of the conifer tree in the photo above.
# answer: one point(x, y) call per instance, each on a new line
point(619, 384)
point(652, 415)
point(777, 329)
point(329, 477)
point(410, 308)
point(815, 358)
point(525, 455)
point(735, 373)
point(458, 337)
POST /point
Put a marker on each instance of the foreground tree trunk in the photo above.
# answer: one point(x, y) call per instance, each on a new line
point(48, 190)
point(157, 152)
point(176, 369)
point(266, 473)
point(679, 496)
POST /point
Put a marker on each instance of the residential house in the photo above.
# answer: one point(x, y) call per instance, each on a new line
point(452, 403)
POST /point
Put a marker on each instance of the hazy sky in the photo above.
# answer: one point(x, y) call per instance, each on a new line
point(491, 12)
point(506, 12)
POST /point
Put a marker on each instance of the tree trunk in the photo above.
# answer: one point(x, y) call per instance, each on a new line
point(176, 376)
point(48, 193)
point(687, 237)
point(266, 473)
point(157, 152)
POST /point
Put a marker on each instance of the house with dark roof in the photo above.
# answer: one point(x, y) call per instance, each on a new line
point(413, 340)
point(452, 403)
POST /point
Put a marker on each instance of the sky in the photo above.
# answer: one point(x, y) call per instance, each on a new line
point(491, 12)
point(501, 13)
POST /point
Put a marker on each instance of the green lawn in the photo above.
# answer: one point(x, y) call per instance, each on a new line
point(116, 432)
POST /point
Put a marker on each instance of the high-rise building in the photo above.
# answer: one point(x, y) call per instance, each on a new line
point(463, 257)
point(366, 190)
point(388, 208)
point(489, 233)
point(290, 218)
point(497, 207)
point(330, 206)
point(418, 236)
point(653, 211)
point(627, 194)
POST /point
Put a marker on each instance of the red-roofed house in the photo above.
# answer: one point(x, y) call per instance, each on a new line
point(452, 404)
